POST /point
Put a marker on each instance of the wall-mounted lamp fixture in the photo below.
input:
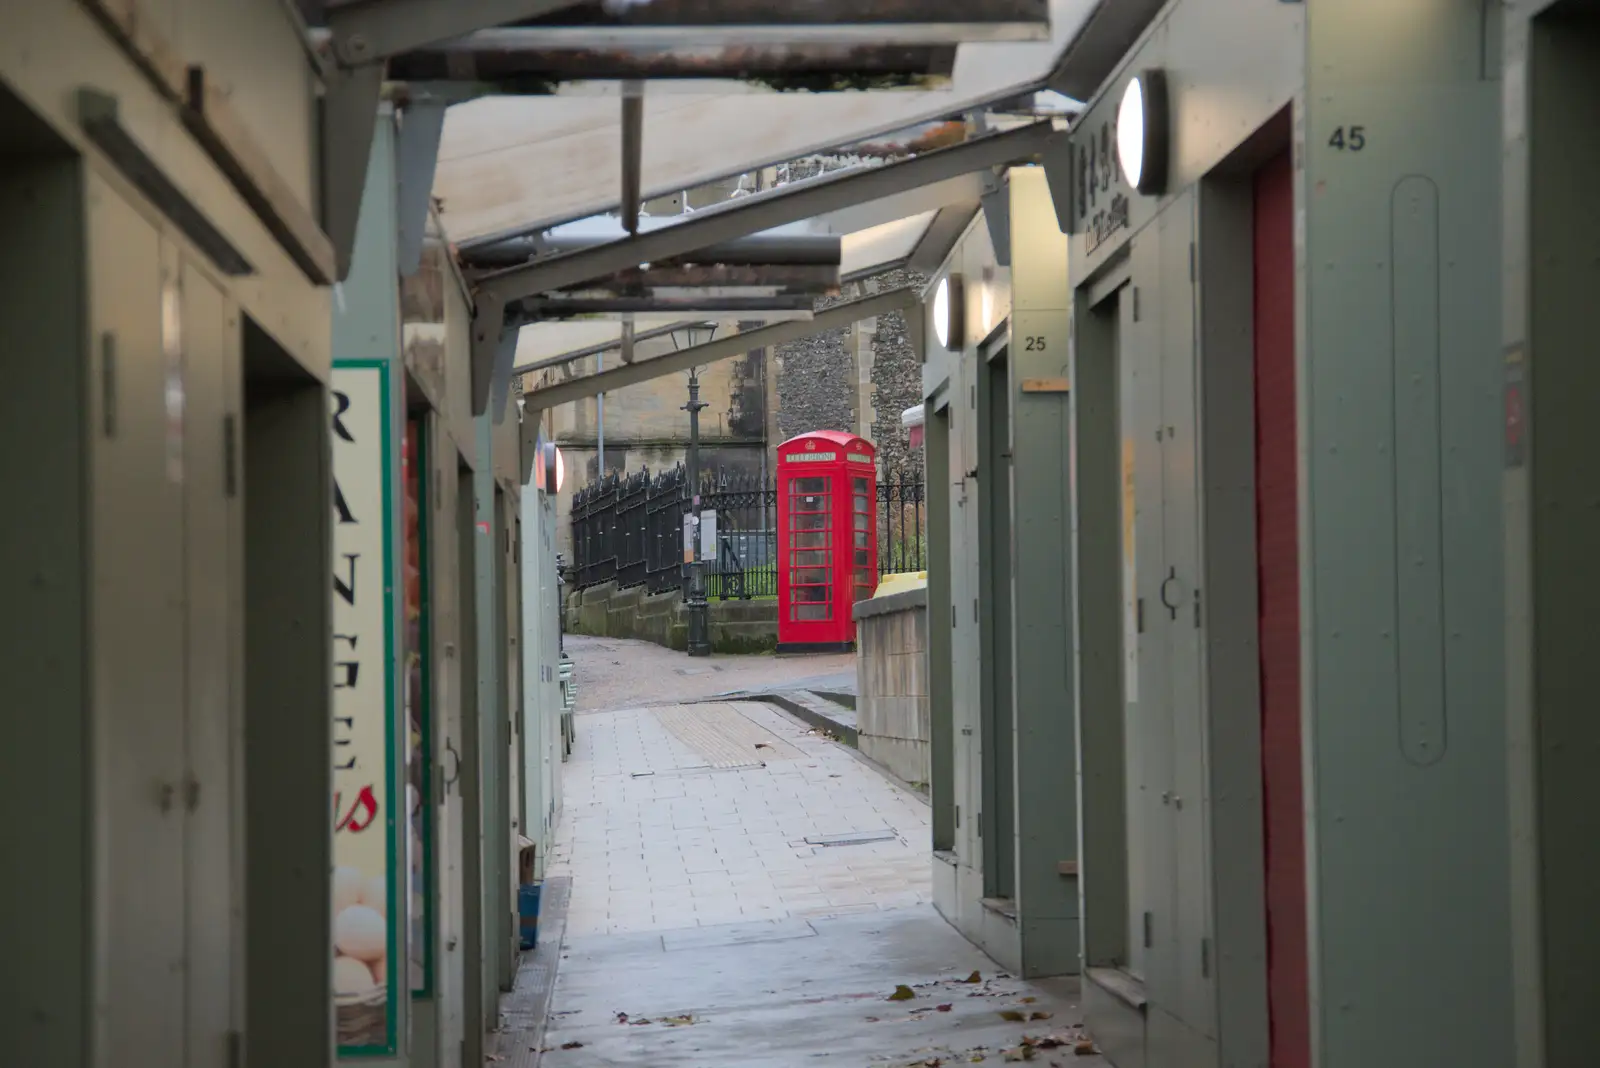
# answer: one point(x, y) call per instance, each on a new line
point(949, 312)
point(1144, 132)
point(550, 468)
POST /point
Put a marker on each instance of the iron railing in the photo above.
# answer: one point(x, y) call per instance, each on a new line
point(628, 529)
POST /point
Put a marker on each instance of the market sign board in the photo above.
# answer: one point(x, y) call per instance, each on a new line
point(367, 881)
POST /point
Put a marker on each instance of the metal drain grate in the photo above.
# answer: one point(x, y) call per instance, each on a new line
point(853, 838)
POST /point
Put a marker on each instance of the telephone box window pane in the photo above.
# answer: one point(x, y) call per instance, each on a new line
point(863, 539)
point(810, 594)
point(808, 504)
point(802, 486)
point(863, 557)
point(813, 540)
point(861, 485)
point(810, 558)
point(808, 522)
point(861, 504)
point(861, 522)
point(808, 576)
point(810, 612)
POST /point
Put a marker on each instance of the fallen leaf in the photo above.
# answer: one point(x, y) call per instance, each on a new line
point(572, 1045)
point(944, 1008)
point(973, 978)
point(977, 1058)
point(763, 745)
point(873, 1019)
point(1013, 1015)
point(902, 993)
point(678, 1021)
point(1040, 1015)
point(1029, 1001)
point(637, 1023)
point(1085, 1049)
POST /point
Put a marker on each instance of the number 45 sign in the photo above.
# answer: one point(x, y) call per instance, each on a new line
point(1348, 138)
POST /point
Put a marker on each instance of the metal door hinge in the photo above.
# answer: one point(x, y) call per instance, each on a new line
point(108, 384)
point(974, 609)
point(1191, 261)
point(958, 815)
point(235, 1049)
point(1197, 609)
point(1135, 303)
point(1138, 612)
point(1149, 941)
point(1205, 958)
point(191, 794)
point(980, 823)
point(230, 455)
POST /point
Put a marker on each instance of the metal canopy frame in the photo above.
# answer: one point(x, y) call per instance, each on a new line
point(371, 31)
point(840, 315)
point(763, 211)
point(621, 343)
point(498, 292)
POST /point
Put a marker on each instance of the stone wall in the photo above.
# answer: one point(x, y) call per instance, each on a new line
point(856, 379)
point(607, 612)
point(892, 711)
point(816, 382)
point(896, 384)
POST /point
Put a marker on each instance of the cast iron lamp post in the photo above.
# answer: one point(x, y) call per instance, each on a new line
point(699, 626)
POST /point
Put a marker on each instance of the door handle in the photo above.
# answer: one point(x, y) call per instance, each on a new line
point(1171, 581)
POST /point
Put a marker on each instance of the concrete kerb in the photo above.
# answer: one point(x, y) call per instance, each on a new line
point(811, 708)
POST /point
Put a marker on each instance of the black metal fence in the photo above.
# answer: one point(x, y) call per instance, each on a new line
point(628, 529)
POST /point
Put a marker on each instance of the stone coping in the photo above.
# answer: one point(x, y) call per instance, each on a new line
point(890, 603)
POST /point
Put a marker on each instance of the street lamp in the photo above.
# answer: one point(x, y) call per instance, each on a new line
point(687, 337)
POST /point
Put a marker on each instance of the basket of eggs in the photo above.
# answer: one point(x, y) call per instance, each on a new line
point(360, 963)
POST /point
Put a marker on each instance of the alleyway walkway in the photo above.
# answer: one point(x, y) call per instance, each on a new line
point(746, 891)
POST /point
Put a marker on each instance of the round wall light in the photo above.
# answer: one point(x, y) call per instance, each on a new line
point(949, 312)
point(551, 469)
point(1143, 132)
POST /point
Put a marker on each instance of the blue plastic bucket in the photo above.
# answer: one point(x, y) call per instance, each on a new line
point(528, 913)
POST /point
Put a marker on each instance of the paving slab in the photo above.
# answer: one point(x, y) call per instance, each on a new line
point(814, 992)
point(746, 892)
point(699, 815)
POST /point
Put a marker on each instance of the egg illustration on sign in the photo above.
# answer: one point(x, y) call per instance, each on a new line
point(360, 932)
point(351, 977)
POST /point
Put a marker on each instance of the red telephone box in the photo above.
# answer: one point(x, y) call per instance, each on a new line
point(827, 539)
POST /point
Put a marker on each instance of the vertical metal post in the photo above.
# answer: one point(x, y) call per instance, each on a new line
point(699, 629)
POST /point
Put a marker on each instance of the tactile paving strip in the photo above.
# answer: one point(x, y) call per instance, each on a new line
point(724, 735)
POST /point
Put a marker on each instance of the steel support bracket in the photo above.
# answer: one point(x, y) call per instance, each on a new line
point(417, 157)
point(1058, 175)
point(529, 451)
point(488, 332)
point(349, 121)
point(996, 202)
